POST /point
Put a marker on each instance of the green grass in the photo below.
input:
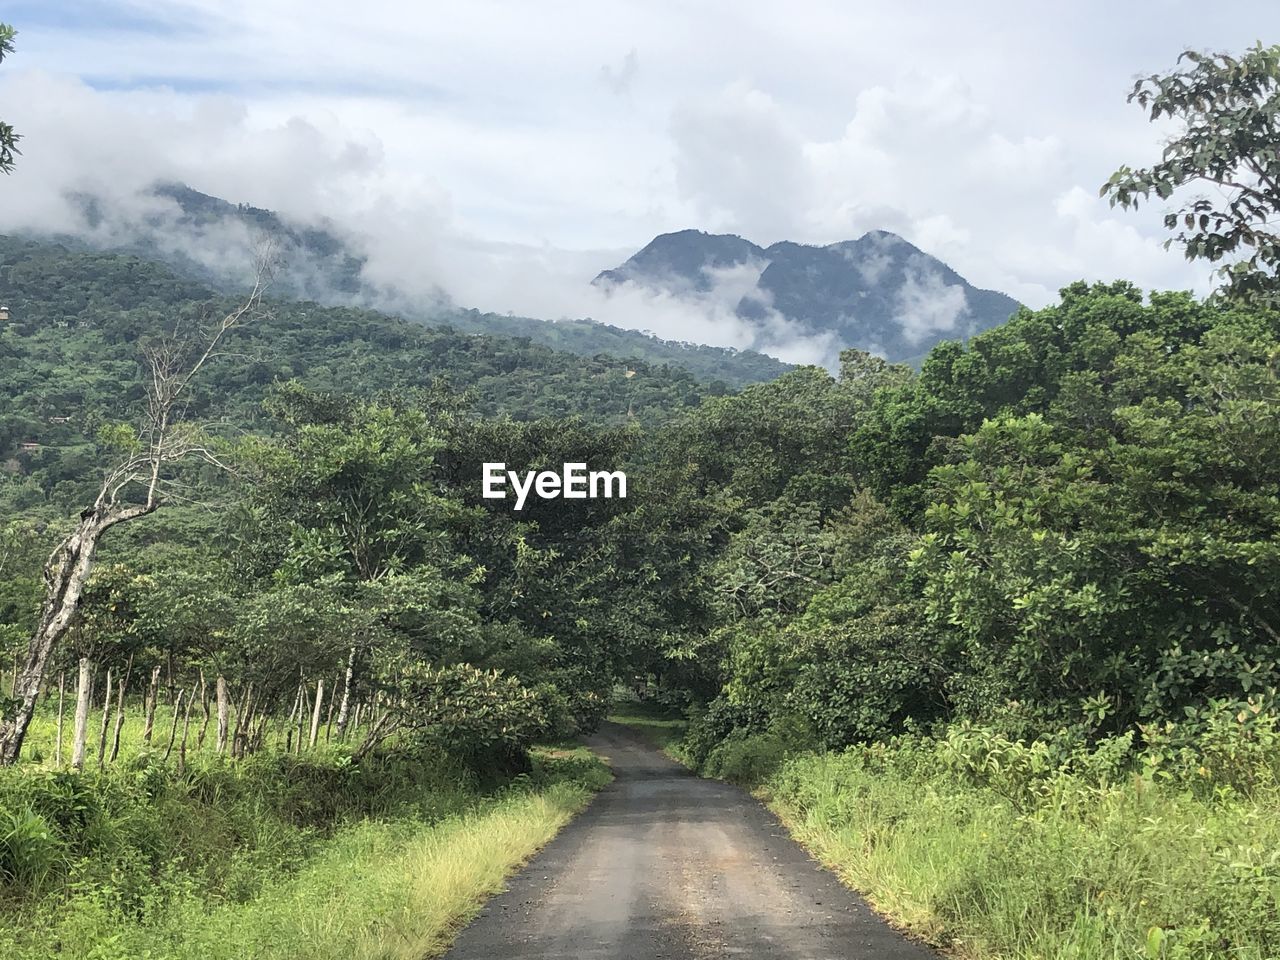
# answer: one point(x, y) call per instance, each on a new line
point(662, 726)
point(1132, 869)
point(227, 870)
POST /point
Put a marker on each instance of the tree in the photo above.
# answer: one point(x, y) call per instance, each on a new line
point(8, 138)
point(349, 493)
point(135, 486)
point(1230, 141)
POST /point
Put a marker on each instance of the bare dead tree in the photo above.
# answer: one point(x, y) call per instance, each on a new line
point(133, 488)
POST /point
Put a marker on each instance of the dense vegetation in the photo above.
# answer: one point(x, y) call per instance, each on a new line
point(1001, 638)
point(273, 856)
point(1024, 607)
point(70, 362)
point(591, 338)
point(1058, 542)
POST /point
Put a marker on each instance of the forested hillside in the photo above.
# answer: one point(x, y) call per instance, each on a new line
point(71, 362)
point(589, 338)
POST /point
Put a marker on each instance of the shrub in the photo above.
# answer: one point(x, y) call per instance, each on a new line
point(749, 758)
point(710, 725)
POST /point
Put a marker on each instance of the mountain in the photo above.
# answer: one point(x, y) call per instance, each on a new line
point(209, 240)
point(877, 293)
point(684, 261)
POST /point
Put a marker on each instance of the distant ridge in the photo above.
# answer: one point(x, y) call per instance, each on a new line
point(205, 238)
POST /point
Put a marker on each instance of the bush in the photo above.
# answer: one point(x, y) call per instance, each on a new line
point(223, 825)
point(712, 724)
point(749, 758)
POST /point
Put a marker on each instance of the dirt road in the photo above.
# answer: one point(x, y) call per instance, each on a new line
point(666, 866)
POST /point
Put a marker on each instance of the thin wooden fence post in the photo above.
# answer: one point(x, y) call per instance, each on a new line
point(106, 715)
point(62, 690)
point(223, 707)
point(80, 730)
point(315, 715)
point(173, 727)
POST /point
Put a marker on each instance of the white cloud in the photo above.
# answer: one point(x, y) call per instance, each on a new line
point(926, 305)
point(483, 150)
point(740, 164)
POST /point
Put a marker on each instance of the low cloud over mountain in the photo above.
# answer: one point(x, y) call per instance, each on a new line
point(877, 293)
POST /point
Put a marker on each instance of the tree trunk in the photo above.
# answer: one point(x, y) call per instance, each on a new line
point(65, 573)
point(62, 691)
point(240, 736)
point(115, 738)
point(120, 695)
point(186, 728)
point(204, 706)
point(304, 704)
point(345, 705)
point(222, 715)
point(80, 731)
point(261, 733)
point(315, 714)
point(173, 727)
point(328, 722)
point(153, 692)
point(106, 716)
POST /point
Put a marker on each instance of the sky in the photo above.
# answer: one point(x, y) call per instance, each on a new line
point(504, 152)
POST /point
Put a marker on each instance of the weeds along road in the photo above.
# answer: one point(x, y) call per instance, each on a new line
point(666, 866)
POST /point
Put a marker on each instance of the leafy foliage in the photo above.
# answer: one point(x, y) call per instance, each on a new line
point(8, 137)
point(1228, 108)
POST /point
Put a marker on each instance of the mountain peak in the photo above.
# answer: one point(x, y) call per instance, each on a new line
point(683, 261)
point(879, 292)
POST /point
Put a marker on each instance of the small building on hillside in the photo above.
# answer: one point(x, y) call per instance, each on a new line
point(29, 446)
point(4, 314)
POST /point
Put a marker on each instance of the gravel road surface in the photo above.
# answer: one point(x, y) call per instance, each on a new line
point(666, 866)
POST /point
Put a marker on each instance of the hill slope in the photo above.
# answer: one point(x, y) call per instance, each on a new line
point(70, 360)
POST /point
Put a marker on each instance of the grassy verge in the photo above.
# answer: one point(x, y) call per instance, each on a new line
point(395, 886)
point(1131, 869)
point(662, 726)
point(1005, 850)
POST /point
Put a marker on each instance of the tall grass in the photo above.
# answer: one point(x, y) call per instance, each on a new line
point(273, 856)
point(1006, 855)
point(384, 888)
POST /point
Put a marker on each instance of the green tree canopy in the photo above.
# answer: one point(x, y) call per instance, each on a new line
point(1229, 142)
point(8, 138)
